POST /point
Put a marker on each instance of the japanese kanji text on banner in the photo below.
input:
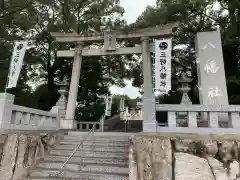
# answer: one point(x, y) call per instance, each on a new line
point(16, 63)
point(163, 55)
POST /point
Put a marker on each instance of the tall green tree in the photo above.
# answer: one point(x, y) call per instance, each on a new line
point(13, 27)
point(35, 19)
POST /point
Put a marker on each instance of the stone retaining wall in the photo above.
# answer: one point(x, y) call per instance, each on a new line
point(155, 157)
point(19, 152)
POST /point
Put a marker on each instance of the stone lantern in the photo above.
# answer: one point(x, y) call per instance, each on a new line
point(63, 89)
point(185, 89)
point(62, 103)
point(182, 116)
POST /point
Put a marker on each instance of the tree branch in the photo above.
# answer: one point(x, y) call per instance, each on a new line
point(222, 5)
point(204, 14)
point(65, 5)
point(16, 10)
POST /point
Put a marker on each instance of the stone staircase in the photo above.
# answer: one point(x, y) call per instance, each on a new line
point(136, 126)
point(108, 161)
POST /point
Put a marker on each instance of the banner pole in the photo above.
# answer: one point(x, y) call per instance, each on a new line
point(5, 89)
point(153, 65)
point(9, 68)
point(7, 79)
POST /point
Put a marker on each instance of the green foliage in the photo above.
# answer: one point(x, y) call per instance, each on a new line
point(35, 19)
point(90, 113)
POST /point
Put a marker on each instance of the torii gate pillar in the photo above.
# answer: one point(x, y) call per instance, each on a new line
point(149, 104)
point(73, 91)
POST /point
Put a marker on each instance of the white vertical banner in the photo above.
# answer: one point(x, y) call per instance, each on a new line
point(108, 106)
point(126, 114)
point(16, 63)
point(163, 55)
point(122, 104)
point(122, 107)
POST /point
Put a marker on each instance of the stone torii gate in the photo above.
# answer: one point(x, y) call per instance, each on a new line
point(110, 39)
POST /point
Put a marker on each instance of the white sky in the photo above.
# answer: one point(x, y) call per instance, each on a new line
point(133, 8)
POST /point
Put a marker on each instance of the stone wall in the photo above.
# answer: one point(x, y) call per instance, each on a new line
point(155, 157)
point(19, 152)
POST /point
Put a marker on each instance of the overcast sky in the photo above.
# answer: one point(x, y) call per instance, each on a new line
point(133, 8)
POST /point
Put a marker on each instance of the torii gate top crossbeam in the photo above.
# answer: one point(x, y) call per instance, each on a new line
point(160, 31)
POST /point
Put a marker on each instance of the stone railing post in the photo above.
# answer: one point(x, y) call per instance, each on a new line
point(6, 106)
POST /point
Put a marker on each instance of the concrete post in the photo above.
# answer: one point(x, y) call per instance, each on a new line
point(6, 105)
point(149, 104)
point(73, 91)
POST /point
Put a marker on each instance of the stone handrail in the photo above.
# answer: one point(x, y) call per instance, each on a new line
point(132, 115)
point(211, 116)
point(136, 115)
point(14, 117)
point(127, 116)
point(88, 125)
point(33, 111)
point(24, 117)
point(197, 108)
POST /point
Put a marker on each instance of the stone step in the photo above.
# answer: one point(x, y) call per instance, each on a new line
point(89, 142)
point(89, 148)
point(99, 143)
point(53, 174)
point(91, 177)
point(89, 153)
point(101, 134)
point(83, 168)
point(121, 161)
point(84, 177)
point(101, 138)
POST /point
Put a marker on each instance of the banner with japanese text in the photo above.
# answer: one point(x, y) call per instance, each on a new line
point(122, 104)
point(122, 107)
point(163, 55)
point(108, 102)
point(16, 63)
